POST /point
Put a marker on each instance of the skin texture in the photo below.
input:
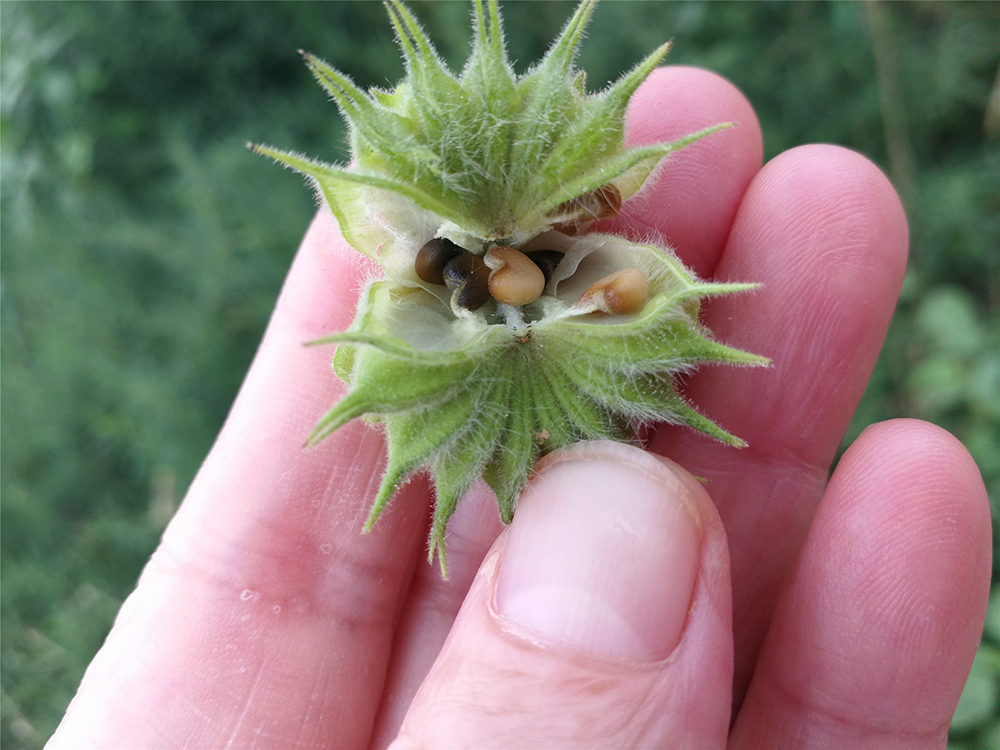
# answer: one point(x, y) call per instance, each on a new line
point(840, 614)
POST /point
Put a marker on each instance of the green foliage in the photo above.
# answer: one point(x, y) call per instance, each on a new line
point(143, 247)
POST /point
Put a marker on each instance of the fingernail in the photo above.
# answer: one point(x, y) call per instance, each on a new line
point(603, 554)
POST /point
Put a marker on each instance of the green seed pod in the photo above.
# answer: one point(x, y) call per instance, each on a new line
point(465, 385)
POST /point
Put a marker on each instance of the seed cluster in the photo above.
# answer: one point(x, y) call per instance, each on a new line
point(518, 277)
point(505, 274)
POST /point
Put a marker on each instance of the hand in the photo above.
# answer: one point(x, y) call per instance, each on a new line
point(613, 610)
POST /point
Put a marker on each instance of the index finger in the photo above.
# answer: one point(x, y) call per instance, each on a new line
point(264, 599)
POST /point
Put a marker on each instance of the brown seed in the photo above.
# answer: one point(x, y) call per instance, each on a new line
point(607, 201)
point(602, 203)
point(546, 260)
point(433, 257)
point(618, 293)
point(515, 280)
point(573, 227)
point(470, 276)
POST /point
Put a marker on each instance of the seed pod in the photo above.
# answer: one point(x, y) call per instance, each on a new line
point(546, 260)
point(433, 257)
point(514, 280)
point(470, 276)
point(618, 293)
point(485, 394)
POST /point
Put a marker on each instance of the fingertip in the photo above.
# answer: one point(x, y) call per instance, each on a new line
point(692, 201)
point(929, 483)
point(874, 638)
point(903, 445)
point(606, 604)
point(593, 504)
point(836, 191)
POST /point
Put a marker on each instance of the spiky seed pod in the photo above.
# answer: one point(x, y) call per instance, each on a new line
point(460, 187)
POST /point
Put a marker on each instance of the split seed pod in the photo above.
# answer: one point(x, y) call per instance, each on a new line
point(494, 337)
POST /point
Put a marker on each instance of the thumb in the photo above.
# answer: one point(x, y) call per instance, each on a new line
point(601, 617)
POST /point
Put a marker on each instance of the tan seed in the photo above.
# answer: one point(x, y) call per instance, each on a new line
point(619, 293)
point(514, 280)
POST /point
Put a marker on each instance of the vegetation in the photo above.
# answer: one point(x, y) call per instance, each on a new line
point(144, 248)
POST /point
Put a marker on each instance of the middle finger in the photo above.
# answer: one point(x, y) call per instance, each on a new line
point(824, 231)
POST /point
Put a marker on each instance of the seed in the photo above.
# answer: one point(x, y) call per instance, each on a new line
point(550, 240)
point(470, 276)
point(602, 203)
point(515, 280)
point(606, 201)
point(546, 260)
point(433, 257)
point(618, 293)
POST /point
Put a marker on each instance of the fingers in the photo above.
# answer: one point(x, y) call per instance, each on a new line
point(601, 618)
point(824, 232)
point(691, 202)
point(264, 598)
point(874, 638)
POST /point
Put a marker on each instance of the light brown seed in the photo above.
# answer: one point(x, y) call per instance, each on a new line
point(619, 293)
point(514, 280)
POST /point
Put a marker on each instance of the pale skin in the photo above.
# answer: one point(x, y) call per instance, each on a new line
point(767, 607)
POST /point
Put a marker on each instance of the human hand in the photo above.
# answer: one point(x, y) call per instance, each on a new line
point(613, 610)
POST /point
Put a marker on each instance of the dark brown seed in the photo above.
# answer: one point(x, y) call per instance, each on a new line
point(547, 260)
point(470, 275)
point(433, 257)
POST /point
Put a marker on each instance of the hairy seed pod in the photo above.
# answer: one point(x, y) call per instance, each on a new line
point(514, 279)
point(470, 276)
point(454, 377)
point(433, 257)
point(618, 293)
point(546, 260)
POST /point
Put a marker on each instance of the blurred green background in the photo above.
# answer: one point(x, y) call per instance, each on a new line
point(143, 248)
